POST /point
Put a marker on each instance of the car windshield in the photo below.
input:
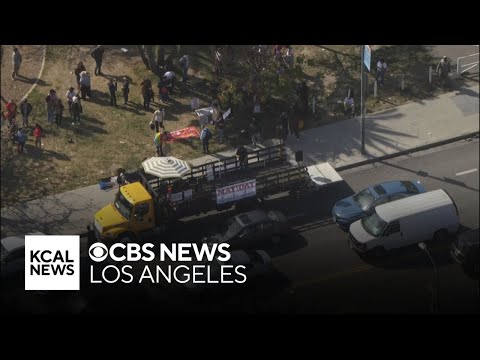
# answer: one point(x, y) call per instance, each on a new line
point(231, 228)
point(373, 224)
point(364, 199)
point(123, 206)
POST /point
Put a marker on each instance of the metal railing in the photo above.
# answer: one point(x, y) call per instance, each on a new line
point(471, 65)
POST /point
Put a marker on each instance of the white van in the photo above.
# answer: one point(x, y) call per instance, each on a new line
point(422, 217)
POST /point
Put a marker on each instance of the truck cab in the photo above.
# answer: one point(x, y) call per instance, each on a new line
point(128, 216)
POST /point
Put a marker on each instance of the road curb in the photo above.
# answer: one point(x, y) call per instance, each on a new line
point(408, 151)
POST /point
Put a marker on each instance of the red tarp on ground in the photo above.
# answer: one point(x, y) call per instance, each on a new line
point(186, 133)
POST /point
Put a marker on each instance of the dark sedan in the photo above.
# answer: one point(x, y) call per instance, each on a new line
point(356, 207)
point(249, 229)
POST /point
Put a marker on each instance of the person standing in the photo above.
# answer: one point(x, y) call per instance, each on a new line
point(169, 77)
point(112, 87)
point(16, 62)
point(158, 117)
point(78, 70)
point(70, 94)
point(51, 100)
point(85, 84)
point(59, 112)
point(21, 140)
point(76, 110)
point(443, 69)
point(220, 125)
point(185, 64)
point(146, 86)
point(159, 141)
point(37, 133)
point(97, 54)
point(205, 136)
point(254, 131)
point(242, 156)
point(26, 110)
point(11, 111)
point(284, 119)
point(381, 70)
point(125, 90)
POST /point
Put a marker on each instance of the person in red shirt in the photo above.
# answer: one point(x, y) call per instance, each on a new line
point(37, 133)
point(11, 111)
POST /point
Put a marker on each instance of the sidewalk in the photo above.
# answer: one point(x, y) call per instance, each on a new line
point(388, 132)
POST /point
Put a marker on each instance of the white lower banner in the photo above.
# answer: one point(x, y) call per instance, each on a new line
point(236, 191)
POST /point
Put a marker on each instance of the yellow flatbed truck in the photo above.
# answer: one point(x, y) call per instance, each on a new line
point(148, 204)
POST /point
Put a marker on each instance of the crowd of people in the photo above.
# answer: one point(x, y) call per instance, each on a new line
point(75, 95)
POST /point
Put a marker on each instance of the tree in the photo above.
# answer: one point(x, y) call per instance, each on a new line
point(147, 54)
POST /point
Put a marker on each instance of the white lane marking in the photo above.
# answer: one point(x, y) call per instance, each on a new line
point(466, 172)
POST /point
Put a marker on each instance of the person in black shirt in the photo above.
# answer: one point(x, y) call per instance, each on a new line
point(97, 54)
point(242, 156)
point(112, 87)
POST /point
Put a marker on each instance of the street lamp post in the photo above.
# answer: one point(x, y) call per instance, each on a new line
point(362, 96)
point(423, 246)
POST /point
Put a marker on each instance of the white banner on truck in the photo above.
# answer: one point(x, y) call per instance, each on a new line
point(236, 191)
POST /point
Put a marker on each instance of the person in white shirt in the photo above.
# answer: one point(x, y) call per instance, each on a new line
point(381, 69)
point(168, 78)
point(158, 117)
point(70, 94)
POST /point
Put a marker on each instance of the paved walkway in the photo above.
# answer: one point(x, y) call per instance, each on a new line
point(388, 132)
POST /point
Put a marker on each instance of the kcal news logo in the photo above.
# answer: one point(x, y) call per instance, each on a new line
point(52, 262)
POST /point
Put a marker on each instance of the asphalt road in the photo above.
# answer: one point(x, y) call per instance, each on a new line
point(327, 276)
point(317, 272)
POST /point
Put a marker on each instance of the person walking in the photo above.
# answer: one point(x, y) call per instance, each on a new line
point(97, 54)
point(125, 90)
point(37, 133)
point(381, 70)
point(16, 62)
point(11, 111)
point(25, 110)
point(158, 117)
point(70, 94)
point(205, 136)
point(59, 112)
point(112, 87)
point(78, 70)
point(443, 69)
point(51, 100)
point(76, 110)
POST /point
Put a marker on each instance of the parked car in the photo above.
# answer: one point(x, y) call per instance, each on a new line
point(432, 215)
point(356, 207)
point(466, 250)
point(257, 264)
point(248, 230)
point(13, 258)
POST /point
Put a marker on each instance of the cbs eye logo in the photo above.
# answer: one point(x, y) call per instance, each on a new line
point(98, 252)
